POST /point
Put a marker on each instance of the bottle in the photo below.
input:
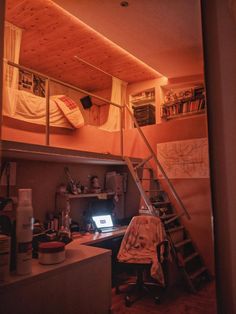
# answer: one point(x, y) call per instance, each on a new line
point(24, 232)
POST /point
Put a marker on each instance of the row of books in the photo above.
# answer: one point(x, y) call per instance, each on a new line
point(181, 107)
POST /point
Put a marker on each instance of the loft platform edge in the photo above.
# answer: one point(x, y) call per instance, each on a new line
point(19, 150)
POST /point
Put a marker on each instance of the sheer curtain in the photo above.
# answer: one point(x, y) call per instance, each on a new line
point(12, 43)
point(118, 96)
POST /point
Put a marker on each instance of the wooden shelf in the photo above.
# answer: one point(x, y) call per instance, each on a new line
point(18, 150)
point(142, 101)
point(103, 195)
point(179, 115)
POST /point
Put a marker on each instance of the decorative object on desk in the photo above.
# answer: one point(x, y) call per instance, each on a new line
point(66, 220)
point(61, 188)
point(72, 187)
point(95, 185)
point(24, 231)
point(51, 252)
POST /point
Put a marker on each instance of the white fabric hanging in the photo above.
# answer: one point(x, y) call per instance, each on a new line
point(118, 96)
point(12, 43)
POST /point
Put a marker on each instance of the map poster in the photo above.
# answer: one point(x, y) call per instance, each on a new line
point(184, 159)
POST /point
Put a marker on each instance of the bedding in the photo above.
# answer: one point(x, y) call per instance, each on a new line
point(25, 106)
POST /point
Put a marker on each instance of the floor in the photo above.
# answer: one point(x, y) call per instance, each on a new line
point(175, 301)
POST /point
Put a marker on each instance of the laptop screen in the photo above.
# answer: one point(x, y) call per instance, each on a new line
point(103, 221)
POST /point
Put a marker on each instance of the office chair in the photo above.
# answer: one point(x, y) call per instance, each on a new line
point(145, 249)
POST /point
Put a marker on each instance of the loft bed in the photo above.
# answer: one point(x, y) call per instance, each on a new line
point(61, 119)
point(54, 117)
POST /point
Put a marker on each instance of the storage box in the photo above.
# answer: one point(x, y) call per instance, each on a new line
point(145, 115)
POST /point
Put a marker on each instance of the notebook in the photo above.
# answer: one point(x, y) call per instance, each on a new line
point(104, 223)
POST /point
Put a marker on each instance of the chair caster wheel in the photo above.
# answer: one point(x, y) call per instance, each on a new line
point(157, 300)
point(127, 301)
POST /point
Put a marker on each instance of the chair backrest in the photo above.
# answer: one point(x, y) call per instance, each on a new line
point(141, 241)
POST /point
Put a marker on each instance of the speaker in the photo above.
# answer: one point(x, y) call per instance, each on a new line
point(86, 102)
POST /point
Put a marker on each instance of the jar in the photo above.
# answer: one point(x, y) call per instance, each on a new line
point(51, 252)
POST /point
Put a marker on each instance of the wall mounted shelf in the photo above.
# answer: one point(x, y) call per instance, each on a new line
point(102, 195)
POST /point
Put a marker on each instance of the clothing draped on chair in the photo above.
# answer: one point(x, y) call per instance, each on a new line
point(118, 95)
point(139, 244)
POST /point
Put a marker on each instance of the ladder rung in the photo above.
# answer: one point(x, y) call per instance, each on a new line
point(154, 191)
point(143, 162)
point(169, 216)
point(182, 243)
point(197, 273)
point(175, 229)
point(146, 168)
point(174, 218)
point(190, 257)
point(160, 203)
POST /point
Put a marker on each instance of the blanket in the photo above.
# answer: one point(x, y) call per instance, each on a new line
point(25, 106)
point(140, 242)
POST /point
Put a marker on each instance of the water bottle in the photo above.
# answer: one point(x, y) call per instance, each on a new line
point(24, 232)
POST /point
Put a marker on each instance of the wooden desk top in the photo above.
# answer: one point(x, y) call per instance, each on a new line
point(75, 253)
point(92, 238)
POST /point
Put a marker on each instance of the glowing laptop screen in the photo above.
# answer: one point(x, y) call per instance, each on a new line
point(103, 221)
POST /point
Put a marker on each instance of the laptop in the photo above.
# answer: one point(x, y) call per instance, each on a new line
point(104, 223)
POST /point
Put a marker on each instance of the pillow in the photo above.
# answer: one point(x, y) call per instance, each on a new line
point(70, 109)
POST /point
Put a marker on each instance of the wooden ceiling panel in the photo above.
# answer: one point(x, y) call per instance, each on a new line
point(52, 37)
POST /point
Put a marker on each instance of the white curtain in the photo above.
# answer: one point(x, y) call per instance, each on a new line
point(12, 43)
point(118, 96)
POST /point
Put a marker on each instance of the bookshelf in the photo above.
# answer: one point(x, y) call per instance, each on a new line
point(143, 105)
point(182, 102)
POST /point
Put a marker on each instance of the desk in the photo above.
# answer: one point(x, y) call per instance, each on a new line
point(81, 284)
point(109, 240)
point(96, 238)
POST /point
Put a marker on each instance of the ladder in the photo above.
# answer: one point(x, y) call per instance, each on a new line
point(157, 203)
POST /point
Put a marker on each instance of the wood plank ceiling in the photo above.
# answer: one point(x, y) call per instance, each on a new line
point(52, 37)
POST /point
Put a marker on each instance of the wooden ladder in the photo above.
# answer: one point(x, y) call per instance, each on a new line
point(157, 203)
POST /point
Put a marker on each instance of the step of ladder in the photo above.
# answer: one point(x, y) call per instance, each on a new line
point(154, 190)
point(161, 204)
point(182, 243)
point(173, 219)
point(197, 273)
point(190, 257)
point(171, 230)
point(168, 216)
